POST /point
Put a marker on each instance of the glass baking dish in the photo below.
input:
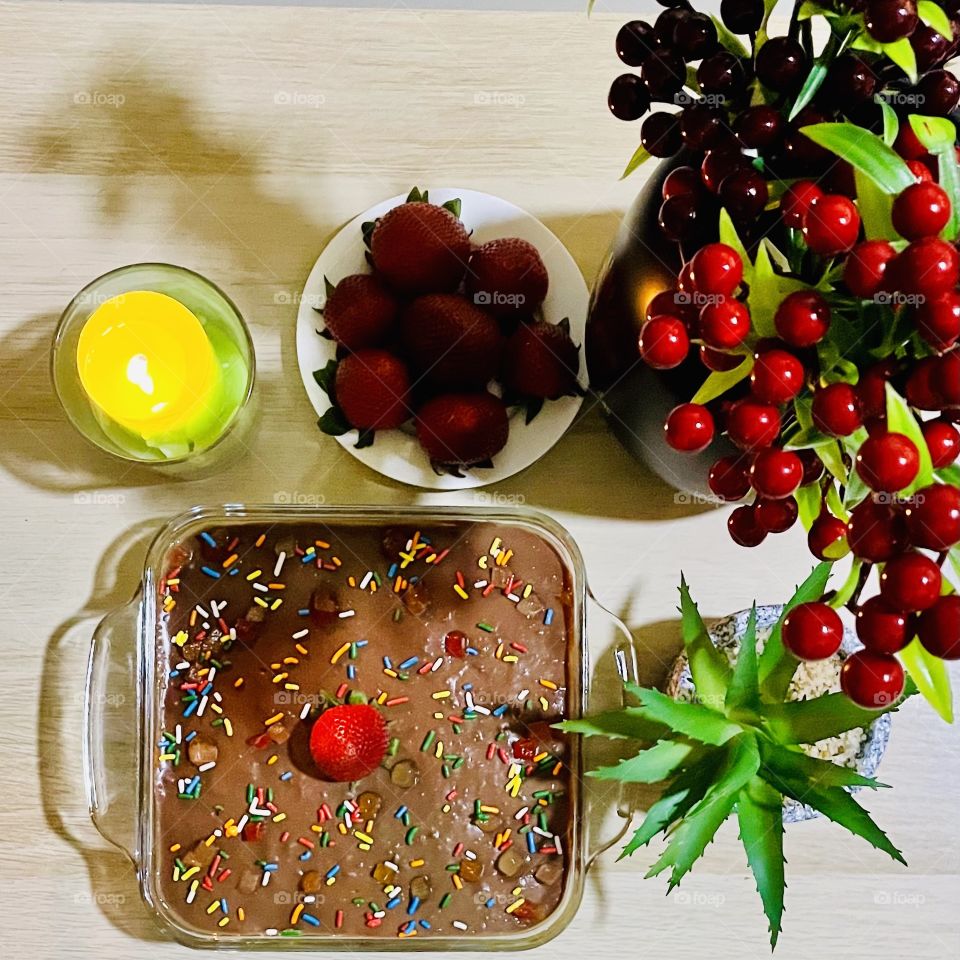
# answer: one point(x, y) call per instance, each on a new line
point(417, 855)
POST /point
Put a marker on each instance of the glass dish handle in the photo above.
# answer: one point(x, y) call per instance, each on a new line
point(111, 726)
point(624, 658)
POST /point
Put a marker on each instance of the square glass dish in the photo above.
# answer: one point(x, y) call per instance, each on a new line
point(465, 629)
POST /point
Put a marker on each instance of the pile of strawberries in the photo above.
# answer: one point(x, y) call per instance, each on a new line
point(445, 333)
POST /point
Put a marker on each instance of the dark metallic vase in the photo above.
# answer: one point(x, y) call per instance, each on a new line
point(636, 398)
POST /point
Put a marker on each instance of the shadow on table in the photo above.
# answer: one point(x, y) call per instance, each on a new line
point(113, 878)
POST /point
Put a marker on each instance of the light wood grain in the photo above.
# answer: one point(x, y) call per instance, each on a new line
point(234, 141)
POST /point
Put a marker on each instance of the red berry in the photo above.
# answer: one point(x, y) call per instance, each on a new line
point(664, 342)
point(943, 442)
point(836, 410)
point(890, 20)
point(938, 320)
point(729, 478)
point(866, 267)
point(776, 516)
point(920, 390)
point(685, 282)
point(796, 200)
point(933, 517)
point(744, 529)
point(910, 582)
point(827, 538)
point(718, 360)
point(680, 180)
point(812, 466)
point(670, 303)
point(689, 428)
point(803, 318)
point(777, 376)
point(752, 425)
point(939, 628)
point(881, 628)
point(876, 531)
point(945, 378)
point(927, 267)
point(831, 225)
point(888, 462)
point(724, 323)
point(716, 269)
point(921, 210)
point(348, 742)
point(872, 680)
point(775, 473)
point(872, 389)
point(908, 144)
point(812, 631)
point(920, 170)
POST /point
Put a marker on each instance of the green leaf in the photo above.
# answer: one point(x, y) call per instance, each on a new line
point(744, 689)
point(728, 235)
point(842, 597)
point(809, 9)
point(640, 157)
point(933, 132)
point(777, 665)
point(933, 16)
point(900, 419)
point(949, 172)
point(832, 458)
point(325, 377)
point(808, 501)
point(865, 151)
point(787, 762)
point(648, 766)
point(720, 381)
point(949, 474)
point(728, 40)
point(811, 85)
point(930, 675)
point(454, 206)
point(836, 504)
point(365, 438)
point(628, 723)
point(709, 667)
point(891, 122)
point(901, 53)
point(875, 208)
point(767, 291)
point(333, 423)
point(809, 721)
point(328, 287)
point(692, 720)
point(760, 816)
point(685, 790)
point(835, 804)
point(691, 836)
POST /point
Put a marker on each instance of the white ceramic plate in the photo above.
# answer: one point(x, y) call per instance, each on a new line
point(396, 453)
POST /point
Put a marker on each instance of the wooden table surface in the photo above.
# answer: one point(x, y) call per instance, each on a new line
point(234, 141)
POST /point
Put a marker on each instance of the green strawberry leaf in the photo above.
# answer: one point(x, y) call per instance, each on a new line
point(720, 381)
point(698, 827)
point(333, 423)
point(930, 675)
point(366, 231)
point(648, 766)
point(532, 408)
point(640, 157)
point(325, 377)
point(777, 665)
point(865, 151)
point(809, 721)
point(935, 18)
point(365, 438)
point(900, 419)
point(692, 720)
point(454, 206)
point(709, 667)
point(629, 723)
point(787, 762)
point(760, 817)
point(744, 689)
point(835, 804)
point(328, 287)
point(415, 196)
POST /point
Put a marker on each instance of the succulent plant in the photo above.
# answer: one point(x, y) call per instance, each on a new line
point(737, 750)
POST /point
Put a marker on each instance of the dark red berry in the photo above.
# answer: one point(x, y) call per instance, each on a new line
point(719, 164)
point(717, 360)
point(872, 680)
point(945, 378)
point(939, 628)
point(729, 478)
point(743, 528)
point(920, 390)
point(849, 82)
point(927, 267)
point(776, 516)
point(866, 267)
point(635, 42)
point(933, 517)
point(663, 74)
point(700, 126)
point(831, 225)
point(669, 302)
point(940, 93)
point(930, 46)
point(678, 216)
point(836, 410)
point(888, 462)
point(827, 538)
point(689, 428)
point(759, 127)
point(883, 629)
point(716, 269)
point(628, 99)
point(741, 16)
point(812, 466)
point(744, 193)
point(803, 318)
point(776, 474)
point(796, 201)
point(724, 323)
point(782, 65)
point(943, 442)
point(876, 531)
point(752, 425)
point(721, 75)
point(664, 342)
point(680, 180)
point(695, 36)
point(660, 134)
point(872, 389)
point(921, 210)
point(777, 376)
point(812, 631)
point(938, 319)
point(910, 582)
point(889, 20)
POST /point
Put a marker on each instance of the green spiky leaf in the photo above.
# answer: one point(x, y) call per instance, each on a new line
point(744, 689)
point(692, 720)
point(821, 774)
point(628, 723)
point(648, 766)
point(708, 666)
point(760, 817)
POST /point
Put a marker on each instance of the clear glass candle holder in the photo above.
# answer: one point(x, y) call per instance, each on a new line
point(223, 325)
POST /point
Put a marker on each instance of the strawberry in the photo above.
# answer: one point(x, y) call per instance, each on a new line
point(451, 343)
point(420, 247)
point(359, 312)
point(372, 388)
point(542, 361)
point(462, 429)
point(348, 742)
point(507, 277)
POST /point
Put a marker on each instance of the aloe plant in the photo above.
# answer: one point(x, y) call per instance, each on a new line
point(736, 751)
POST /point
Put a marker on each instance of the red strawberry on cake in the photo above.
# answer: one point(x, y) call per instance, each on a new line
point(348, 742)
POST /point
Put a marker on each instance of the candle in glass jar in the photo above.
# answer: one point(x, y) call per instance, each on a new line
point(147, 364)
